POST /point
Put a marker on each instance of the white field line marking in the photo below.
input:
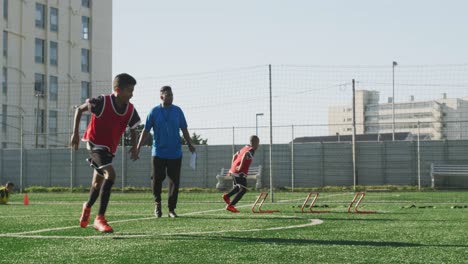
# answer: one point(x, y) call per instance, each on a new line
point(77, 226)
point(24, 234)
point(311, 223)
point(111, 222)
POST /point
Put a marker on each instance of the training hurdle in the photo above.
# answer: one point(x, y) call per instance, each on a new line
point(311, 210)
point(356, 207)
point(259, 209)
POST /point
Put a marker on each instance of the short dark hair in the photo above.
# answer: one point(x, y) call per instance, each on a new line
point(165, 88)
point(254, 138)
point(8, 184)
point(124, 80)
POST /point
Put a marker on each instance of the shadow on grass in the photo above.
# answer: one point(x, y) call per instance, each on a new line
point(251, 217)
point(294, 241)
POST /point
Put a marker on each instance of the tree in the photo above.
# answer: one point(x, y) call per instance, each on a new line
point(196, 140)
point(138, 130)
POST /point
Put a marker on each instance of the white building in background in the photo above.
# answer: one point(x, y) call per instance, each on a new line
point(55, 55)
point(444, 118)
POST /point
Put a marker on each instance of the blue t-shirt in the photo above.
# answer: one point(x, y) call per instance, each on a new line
point(166, 123)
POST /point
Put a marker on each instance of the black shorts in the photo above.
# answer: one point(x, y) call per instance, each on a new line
point(240, 179)
point(99, 157)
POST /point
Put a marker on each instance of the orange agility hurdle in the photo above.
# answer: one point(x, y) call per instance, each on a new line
point(356, 207)
point(260, 211)
point(311, 210)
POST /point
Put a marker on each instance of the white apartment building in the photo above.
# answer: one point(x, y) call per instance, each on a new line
point(444, 118)
point(56, 53)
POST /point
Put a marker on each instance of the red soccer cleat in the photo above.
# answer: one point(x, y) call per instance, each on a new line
point(232, 208)
point(226, 199)
point(100, 223)
point(84, 219)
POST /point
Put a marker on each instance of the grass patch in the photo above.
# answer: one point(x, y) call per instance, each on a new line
point(205, 233)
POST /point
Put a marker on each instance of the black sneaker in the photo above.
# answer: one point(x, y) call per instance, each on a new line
point(158, 211)
point(172, 214)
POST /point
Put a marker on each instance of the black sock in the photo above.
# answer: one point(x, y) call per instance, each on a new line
point(93, 195)
point(238, 196)
point(105, 195)
point(233, 191)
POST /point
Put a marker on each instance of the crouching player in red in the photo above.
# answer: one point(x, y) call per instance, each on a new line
point(239, 169)
point(110, 115)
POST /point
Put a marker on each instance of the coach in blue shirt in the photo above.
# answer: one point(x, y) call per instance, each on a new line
point(166, 119)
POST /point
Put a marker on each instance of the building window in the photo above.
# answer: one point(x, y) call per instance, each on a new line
point(5, 9)
point(85, 93)
point(4, 81)
point(85, 3)
point(53, 88)
point(53, 53)
point(4, 117)
point(40, 15)
point(84, 60)
point(39, 51)
point(5, 44)
point(52, 122)
point(85, 27)
point(39, 83)
point(53, 19)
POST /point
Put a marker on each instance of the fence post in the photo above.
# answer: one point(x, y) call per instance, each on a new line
point(355, 179)
point(71, 169)
point(271, 135)
point(70, 119)
point(419, 159)
point(206, 166)
point(123, 162)
point(322, 163)
point(21, 150)
point(292, 158)
point(233, 142)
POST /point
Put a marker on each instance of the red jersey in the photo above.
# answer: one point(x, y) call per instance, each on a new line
point(248, 152)
point(107, 128)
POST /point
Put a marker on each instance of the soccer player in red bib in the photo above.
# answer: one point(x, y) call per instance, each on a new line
point(110, 115)
point(239, 169)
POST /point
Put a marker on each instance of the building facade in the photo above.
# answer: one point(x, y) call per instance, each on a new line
point(443, 118)
point(55, 55)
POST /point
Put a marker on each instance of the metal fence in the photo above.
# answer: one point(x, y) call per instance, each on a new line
point(312, 122)
point(298, 165)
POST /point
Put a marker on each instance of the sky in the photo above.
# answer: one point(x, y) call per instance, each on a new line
point(154, 38)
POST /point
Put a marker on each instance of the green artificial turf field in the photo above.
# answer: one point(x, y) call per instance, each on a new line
point(407, 231)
